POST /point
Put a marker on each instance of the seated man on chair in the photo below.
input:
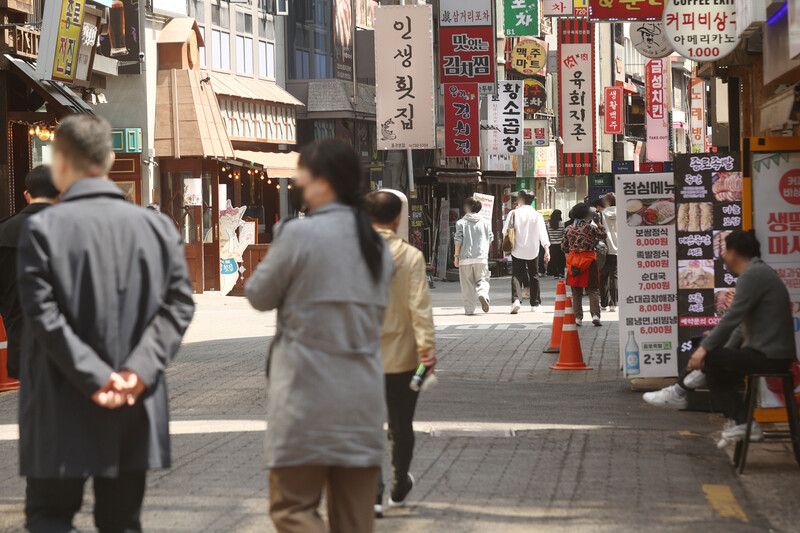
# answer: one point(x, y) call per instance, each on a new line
point(756, 335)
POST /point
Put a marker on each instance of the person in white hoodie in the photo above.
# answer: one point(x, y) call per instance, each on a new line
point(608, 274)
point(472, 240)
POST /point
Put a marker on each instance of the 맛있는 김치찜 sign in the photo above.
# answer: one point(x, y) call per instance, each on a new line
point(701, 30)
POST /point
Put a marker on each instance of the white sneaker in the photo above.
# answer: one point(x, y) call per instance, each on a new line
point(579, 322)
point(484, 303)
point(695, 379)
point(737, 432)
point(515, 307)
point(596, 321)
point(613, 309)
point(402, 502)
point(665, 398)
point(536, 308)
point(378, 508)
point(605, 309)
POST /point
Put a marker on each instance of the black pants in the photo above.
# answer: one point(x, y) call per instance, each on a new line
point(725, 370)
point(401, 402)
point(525, 273)
point(558, 261)
point(609, 288)
point(51, 504)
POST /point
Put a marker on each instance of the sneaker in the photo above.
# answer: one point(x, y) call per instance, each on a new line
point(515, 307)
point(695, 379)
point(400, 499)
point(484, 303)
point(665, 398)
point(579, 322)
point(536, 308)
point(736, 433)
point(613, 308)
point(378, 508)
point(596, 321)
point(605, 309)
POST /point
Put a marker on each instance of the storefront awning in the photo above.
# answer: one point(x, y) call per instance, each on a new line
point(499, 178)
point(253, 89)
point(464, 177)
point(53, 92)
point(188, 120)
point(627, 88)
point(277, 164)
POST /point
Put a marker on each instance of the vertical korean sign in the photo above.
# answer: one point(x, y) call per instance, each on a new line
point(404, 81)
point(576, 82)
point(461, 120)
point(697, 122)
point(466, 43)
point(521, 18)
point(506, 134)
point(648, 329)
point(70, 24)
point(709, 199)
point(776, 220)
point(656, 113)
point(614, 124)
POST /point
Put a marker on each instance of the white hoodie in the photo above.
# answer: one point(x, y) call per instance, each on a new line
point(610, 222)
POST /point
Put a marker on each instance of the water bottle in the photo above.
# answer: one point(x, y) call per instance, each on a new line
point(422, 382)
point(631, 356)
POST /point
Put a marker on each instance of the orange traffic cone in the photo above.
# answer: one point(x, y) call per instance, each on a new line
point(6, 383)
point(571, 357)
point(558, 318)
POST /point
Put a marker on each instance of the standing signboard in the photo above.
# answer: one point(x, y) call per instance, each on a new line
point(708, 193)
point(656, 111)
point(461, 120)
point(774, 172)
point(648, 326)
point(521, 17)
point(403, 82)
point(416, 227)
point(466, 43)
point(701, 31)
point(487, 206)
point(615, 116)
point(576, 81)
point(697, 120)
point(618, 10)
point(443, 239)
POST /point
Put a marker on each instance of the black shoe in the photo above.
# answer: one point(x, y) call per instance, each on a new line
point(400, 494)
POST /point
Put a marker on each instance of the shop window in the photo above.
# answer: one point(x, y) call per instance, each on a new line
point(244, 54)
point(221, 49)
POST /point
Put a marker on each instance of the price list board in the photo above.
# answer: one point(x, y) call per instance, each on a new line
point(647, 275)
point(708, 194)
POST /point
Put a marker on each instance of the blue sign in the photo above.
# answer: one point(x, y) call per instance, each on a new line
point(622, 167)
point(228, 266)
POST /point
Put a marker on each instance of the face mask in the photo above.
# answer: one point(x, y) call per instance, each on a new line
point(296, 198)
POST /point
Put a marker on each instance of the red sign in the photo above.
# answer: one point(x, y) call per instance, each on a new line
point(466, 54)
point(462, 127)
point(656, 72)
point(652, 166)
point(576, 96)
point(626, 9)
point(790, 190)
point(615, 116)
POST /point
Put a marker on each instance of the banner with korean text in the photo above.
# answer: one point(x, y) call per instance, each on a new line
point(576, 82)
point(708, 193)
point(404, 81)
point(626, 9)
point(615, 116)
point(656, 112)
point(506, 133)
point(466, 43)
point(461, 120)
point(521, 17)
point(697, 120)
point(648, 325)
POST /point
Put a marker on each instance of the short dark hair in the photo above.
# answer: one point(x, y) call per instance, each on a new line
point(39, 183)
point(526, 196)
point(743, 243)
point(611, 198)
point(581, 211)
point(383, 207)
point(85, 140)
point(598, 203)
point(474, 204)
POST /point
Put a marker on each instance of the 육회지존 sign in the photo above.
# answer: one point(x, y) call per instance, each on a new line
point(701, 30)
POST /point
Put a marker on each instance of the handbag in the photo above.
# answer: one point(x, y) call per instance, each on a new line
point(508, 238)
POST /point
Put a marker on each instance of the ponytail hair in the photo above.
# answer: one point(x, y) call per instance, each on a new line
point(337, 163)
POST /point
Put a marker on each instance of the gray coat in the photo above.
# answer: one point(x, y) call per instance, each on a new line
point(325, 401)
point(104, 287)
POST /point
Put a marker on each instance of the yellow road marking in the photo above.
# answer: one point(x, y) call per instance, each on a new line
point(722, 500)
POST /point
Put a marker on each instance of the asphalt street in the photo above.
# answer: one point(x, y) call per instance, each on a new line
point(503, 443)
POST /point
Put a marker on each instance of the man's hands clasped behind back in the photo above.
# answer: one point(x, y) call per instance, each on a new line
point(122, 388)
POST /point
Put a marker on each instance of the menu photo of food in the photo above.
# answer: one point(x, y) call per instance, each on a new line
point(655, 212)
point(696, 274)
point(722, 300)
point(719, 243)
point(727, 186)
point(696, 216)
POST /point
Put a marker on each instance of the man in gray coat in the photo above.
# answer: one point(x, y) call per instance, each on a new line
point(106, 298)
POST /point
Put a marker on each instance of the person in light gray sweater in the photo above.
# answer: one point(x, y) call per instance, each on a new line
point(756, 335)
point(473, 239)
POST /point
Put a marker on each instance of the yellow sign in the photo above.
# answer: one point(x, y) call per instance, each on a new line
point(528, 57)
point(67, 40)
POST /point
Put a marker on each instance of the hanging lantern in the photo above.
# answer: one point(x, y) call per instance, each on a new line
point(31, 132)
